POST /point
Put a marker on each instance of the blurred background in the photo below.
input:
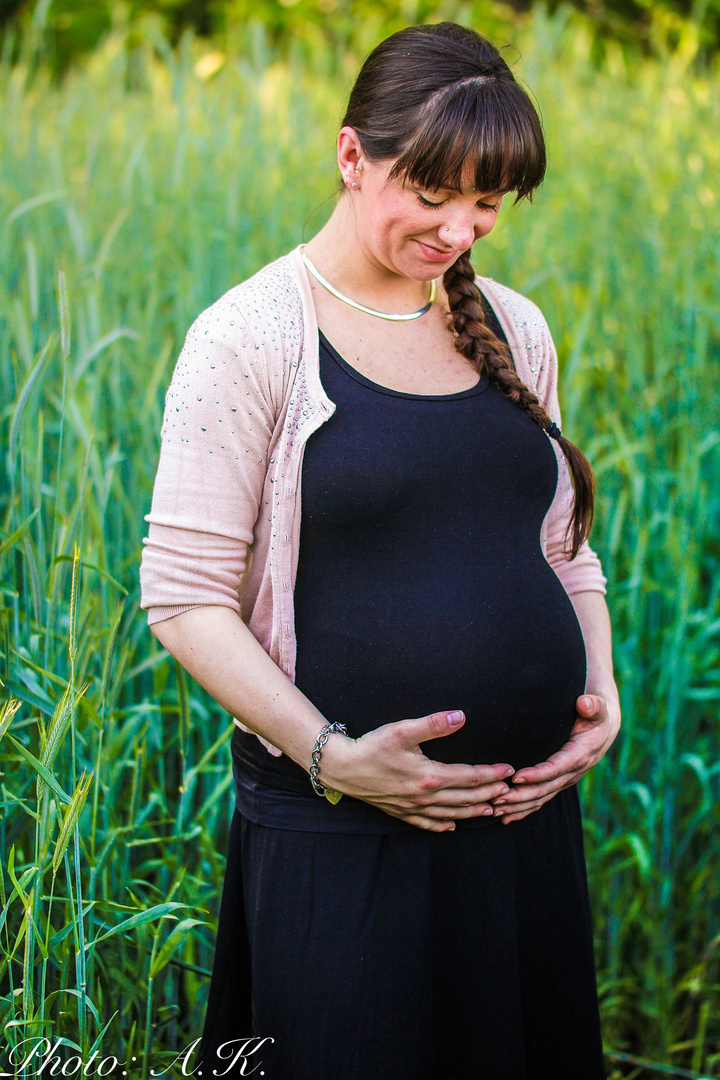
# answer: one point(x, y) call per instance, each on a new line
point(155, 154)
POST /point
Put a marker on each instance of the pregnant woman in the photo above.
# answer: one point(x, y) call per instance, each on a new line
point(368, 542)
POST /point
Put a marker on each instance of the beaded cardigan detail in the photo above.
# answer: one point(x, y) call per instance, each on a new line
point(245, 395)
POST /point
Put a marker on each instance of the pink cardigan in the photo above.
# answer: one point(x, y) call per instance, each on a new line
point(244, 398)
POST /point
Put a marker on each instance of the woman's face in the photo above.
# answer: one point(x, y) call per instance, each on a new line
point(414, 232)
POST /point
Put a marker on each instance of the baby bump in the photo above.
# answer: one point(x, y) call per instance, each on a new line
point(506, 648)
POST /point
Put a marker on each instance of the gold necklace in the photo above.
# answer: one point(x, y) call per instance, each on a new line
point(361, 307)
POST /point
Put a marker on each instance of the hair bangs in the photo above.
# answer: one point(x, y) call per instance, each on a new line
point(481, 124)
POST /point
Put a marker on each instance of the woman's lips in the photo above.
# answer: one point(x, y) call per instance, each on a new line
point(434, 255)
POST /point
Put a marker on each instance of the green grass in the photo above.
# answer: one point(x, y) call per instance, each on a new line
point(130, 198)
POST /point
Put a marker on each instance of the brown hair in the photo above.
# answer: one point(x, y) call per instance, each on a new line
point(433, 98)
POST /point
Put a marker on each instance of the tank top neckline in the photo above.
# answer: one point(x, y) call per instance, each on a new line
point(479, 387)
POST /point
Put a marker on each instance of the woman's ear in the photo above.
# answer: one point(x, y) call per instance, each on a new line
point(349, 153)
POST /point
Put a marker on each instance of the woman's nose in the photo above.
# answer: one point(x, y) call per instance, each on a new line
point(458, 233)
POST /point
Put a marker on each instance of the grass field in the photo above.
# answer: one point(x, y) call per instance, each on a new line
point(130, 198)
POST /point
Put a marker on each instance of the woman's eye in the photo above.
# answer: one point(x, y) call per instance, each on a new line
point(491, 207)
point(426, 202)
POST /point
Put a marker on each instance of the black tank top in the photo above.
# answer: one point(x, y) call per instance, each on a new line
point(421, 582)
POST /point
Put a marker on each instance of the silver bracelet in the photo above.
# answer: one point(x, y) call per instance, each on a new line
point(330, 794)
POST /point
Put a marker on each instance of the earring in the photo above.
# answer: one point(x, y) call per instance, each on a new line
point(358, 168)
point(353, 185)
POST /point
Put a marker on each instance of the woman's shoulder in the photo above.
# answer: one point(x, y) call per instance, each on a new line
point(525, 316)
point(528, 336)
point(267, 302)
point(253, 331)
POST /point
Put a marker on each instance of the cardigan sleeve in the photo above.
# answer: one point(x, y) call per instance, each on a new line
point(217, 427)
point(584, 572)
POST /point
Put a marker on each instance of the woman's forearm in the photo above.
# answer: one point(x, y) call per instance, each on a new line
point(215, 646)
point(384, 767)
point(594, 619)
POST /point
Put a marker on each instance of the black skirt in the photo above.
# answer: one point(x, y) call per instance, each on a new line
point(407, 956)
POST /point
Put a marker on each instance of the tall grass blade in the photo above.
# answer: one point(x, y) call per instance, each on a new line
point(12, 540)
point(158, 911)
point(22, 400)
point(70, 820)
point(65, 326)
point(40, 769)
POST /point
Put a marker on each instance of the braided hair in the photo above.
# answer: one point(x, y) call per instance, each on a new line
point(488, 355)
point(433, 99)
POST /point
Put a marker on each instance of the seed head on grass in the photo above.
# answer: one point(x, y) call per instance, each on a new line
point(72, 816)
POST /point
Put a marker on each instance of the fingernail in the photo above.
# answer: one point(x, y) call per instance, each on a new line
point(508, 772)
point(455, 718)
point(520, 780)
point(499, 802)
point(503, 790)
point(587, 702)
point(487, 811)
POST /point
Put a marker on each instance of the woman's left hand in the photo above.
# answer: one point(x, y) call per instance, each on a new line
point(597, 724)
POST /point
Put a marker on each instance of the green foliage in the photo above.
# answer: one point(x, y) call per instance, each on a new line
point(61, 32)
point(130, 198)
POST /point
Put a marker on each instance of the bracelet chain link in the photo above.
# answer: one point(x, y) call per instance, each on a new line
point(330, 794)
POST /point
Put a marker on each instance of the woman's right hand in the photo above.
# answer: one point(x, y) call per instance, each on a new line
point(386, 768)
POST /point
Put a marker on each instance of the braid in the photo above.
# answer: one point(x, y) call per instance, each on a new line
point(492, 357)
